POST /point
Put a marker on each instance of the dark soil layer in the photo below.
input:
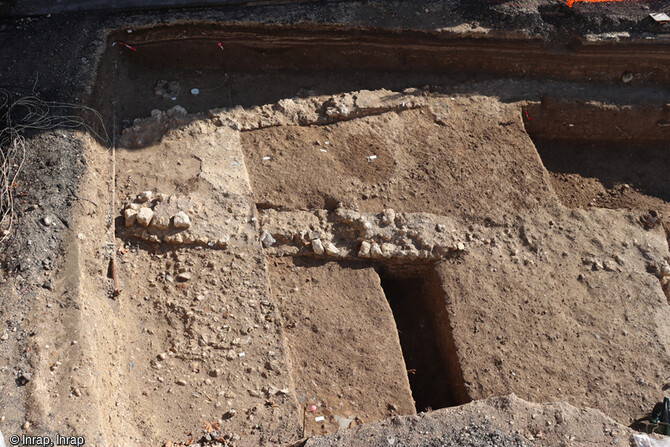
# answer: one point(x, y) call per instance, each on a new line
point(44, 195)
point(243, 65)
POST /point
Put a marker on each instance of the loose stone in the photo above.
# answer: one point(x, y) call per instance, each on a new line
point(376, 251)
point(183, 277)
point(145, 196)
point(331, 249)
point(317, 246)
point(181, 220)
point(267, 239)
point(364, 251)
point(144, 216)
point(130, 216)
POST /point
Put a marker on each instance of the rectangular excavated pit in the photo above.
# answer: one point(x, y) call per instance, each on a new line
point(604, 156)
point(608, 175)
point(607, 157)
point(421, 316)
point(350, 356)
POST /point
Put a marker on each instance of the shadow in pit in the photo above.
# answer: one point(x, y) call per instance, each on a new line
point(415, 295)
point(642, 166)
point(618, 147)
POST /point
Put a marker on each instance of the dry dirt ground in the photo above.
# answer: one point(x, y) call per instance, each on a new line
point(386, 262)
point(499, 421)
point(235, 323)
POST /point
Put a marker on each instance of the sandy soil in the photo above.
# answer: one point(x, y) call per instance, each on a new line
point(565, 275)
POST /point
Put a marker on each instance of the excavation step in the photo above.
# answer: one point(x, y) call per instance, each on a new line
point(343, 342)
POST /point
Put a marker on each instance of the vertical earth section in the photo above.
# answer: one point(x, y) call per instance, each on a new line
point(425, 337)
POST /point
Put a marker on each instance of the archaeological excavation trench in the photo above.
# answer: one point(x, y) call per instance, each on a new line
point(372, 223)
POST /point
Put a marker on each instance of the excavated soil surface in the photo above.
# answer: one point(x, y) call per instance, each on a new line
point(364, 243)
point(614, 175)
point(340, 365)
point(420, 166)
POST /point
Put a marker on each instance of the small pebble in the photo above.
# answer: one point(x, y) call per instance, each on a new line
point(130, 216)
point(145, 196)
point(317, 246)
point(267, 239)
point(183, 277)
point(364, 251)
point(331, 249)
point(376, 251)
